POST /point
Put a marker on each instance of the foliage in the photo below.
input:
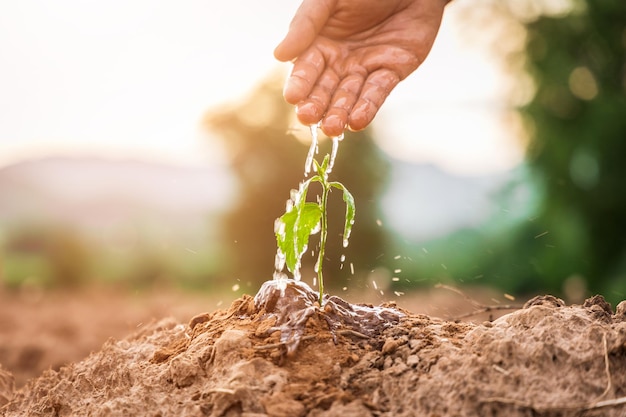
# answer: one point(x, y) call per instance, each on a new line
point(302, 219)
point(576, 59)
point(45, 256)
point(50, 256)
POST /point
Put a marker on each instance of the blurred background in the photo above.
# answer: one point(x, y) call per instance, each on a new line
point(146, 145)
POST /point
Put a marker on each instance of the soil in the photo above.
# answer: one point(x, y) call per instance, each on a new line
point(282, 355)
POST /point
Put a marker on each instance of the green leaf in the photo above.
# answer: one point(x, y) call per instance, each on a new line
point(350, 210)
point(321, 169)
point(299, 224)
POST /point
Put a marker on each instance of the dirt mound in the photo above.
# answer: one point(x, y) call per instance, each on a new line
point(264, 358)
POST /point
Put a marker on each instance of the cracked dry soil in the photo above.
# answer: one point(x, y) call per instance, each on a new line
point(546, 359)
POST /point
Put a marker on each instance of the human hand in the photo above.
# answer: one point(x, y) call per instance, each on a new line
point(350, 54)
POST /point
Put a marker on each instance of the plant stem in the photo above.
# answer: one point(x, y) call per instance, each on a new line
point(323, 233)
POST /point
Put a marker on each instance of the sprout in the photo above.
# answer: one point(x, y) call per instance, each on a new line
point(304, 219)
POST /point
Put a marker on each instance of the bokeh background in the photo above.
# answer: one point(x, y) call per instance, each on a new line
point(146, 144)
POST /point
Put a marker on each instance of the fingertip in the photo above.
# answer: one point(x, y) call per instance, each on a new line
point(308, 113)
point(279, 54)
point(334, 125)
point(284, 51)
point(290, 96)
point(295, 89)
point(361, 116)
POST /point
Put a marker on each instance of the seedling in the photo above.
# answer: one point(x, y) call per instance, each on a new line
point(304, 218)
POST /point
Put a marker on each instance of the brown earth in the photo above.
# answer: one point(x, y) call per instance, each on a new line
point(285, 356)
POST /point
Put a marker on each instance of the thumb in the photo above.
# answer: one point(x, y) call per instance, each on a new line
point(306, 24)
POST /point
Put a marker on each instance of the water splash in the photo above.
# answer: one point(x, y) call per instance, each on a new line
point(293, 303)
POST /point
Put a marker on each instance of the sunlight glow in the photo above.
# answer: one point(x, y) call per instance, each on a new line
point(133, 80)
point(453, 111)
point(130, 78)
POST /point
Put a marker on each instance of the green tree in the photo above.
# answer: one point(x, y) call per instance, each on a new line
point(576, 124)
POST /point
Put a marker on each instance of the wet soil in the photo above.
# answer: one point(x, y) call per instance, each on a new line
point(263, 358)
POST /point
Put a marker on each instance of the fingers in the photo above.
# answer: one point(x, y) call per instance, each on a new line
point(304, 76)
point(336, 118)
point(331, 100)
point(354, 103)
point(375, 90)
point(306, 24)
point(313, 108)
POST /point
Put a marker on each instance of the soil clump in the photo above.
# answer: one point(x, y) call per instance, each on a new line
point(285, 356)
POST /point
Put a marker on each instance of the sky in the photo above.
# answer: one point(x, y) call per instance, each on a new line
point(133, 78)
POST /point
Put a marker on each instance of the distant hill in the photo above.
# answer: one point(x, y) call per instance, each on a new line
point(421, 202)
point(424, 202)
point(94, 194)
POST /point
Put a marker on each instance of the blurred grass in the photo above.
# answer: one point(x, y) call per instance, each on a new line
point(48, 258)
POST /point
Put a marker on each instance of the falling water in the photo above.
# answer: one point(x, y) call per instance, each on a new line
point(312, 150)
point(333, 152)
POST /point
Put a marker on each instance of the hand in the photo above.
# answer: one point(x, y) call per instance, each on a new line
point(350, 54)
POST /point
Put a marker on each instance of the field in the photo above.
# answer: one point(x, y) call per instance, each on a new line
point(176, 354)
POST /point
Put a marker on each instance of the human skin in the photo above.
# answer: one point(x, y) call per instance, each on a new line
point(350, 54)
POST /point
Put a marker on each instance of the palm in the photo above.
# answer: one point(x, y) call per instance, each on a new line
point(350, 54)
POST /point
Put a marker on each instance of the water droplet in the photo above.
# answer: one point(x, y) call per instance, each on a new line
point(397, 257)
point(379, 222)
point(294, 195)
point(395, 279)
point(342, 258)
point(374, 284)
point(235, 287)
point(397, 271)
point(351, 268)
point(279, 227)
point(345, 243)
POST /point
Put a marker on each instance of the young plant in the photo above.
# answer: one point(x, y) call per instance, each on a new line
point(304, 218)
